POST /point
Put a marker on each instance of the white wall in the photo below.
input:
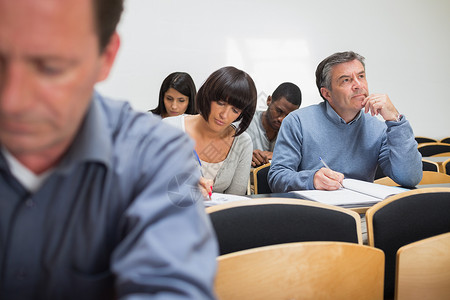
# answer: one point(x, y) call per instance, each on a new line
point(406, 44)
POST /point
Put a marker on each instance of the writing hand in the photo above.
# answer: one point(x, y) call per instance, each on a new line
point(326, 179)
point(206, 187)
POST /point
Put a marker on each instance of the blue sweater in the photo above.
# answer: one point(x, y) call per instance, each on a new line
point(354, 149)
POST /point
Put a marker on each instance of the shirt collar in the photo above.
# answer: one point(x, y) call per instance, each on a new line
point(92, 143)
point(332, 114)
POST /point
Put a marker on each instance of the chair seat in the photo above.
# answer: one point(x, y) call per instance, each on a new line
point(308, 270)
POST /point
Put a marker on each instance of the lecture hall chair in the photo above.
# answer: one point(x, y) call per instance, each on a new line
point(423, 269)
point(241, 225)
point(260, 182)
point(405, 218)
point(304, 270)
point(423, 139)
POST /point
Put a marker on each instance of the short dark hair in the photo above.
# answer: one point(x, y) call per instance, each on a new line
point(181, 82)
point(106, 16)
point(233, 86)
point(290, 91)
point(323, 71)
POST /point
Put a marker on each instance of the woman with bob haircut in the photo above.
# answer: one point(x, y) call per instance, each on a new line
point(223, 151)
point(176, 96)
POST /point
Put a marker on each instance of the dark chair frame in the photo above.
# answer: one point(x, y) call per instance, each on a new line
point(260, 182)
point(446, 166)
point(431, 149)
point(423, 139)
point(252, 223)
point(445, 140)
point(405, 218)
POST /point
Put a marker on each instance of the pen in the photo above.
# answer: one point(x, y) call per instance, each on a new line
point(201, 172)
point(324, 163)
point(326, 166)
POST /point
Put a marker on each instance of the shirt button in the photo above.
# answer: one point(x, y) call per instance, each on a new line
point(21, 275)
point(29, 203)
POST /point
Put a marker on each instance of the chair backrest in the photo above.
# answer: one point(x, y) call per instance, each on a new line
point(428, 165)
point(423, 269)
point(252, 223)
point(423, 139)
point(445, 140)
point(260, 182)
point(428, 177)
point(446, 166)
point(430, 149)
point(406, 218)
point(443, 154)
point(307, 270)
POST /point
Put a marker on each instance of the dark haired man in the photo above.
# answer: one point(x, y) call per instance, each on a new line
point(94, 202)
point(344, 131)
point(264, 127)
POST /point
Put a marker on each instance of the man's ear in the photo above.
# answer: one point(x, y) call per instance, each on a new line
point(108, 56)
point(326, 94)
point(269, 100)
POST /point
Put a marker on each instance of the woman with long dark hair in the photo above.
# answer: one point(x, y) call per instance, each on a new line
point(176, 96)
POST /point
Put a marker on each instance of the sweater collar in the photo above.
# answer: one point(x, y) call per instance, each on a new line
point(332, 114)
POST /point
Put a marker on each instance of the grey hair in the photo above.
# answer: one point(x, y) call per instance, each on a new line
point(323, 71)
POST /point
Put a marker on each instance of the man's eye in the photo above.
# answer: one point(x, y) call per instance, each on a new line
point(50, 70)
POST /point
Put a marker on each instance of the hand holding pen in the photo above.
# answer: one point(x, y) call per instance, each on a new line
point(205, 184)
point(327, 179)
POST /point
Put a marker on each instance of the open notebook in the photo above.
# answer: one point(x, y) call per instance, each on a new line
point(354, 192)
point(218, 198)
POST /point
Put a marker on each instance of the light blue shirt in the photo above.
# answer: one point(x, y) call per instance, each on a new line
point(120, 216)
point(354, 149)
point(258, 134)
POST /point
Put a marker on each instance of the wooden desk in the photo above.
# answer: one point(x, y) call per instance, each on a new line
point(433, 185)
point(358, 209)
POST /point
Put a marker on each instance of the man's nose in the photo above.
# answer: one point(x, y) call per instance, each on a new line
point(357, 84)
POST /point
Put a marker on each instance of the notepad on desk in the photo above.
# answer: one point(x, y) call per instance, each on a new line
point(354, 192)
point(218, 198)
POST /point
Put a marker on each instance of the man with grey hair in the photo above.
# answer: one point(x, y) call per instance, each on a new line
point(97, 201)
point(344, 132)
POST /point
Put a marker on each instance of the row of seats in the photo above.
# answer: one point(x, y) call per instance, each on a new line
point(334, 270)
point(423, 139)
point(434, 149)
point(393, 223)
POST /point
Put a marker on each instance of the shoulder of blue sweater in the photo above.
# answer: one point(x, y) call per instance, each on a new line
point(373, 120)
point(306, 112)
